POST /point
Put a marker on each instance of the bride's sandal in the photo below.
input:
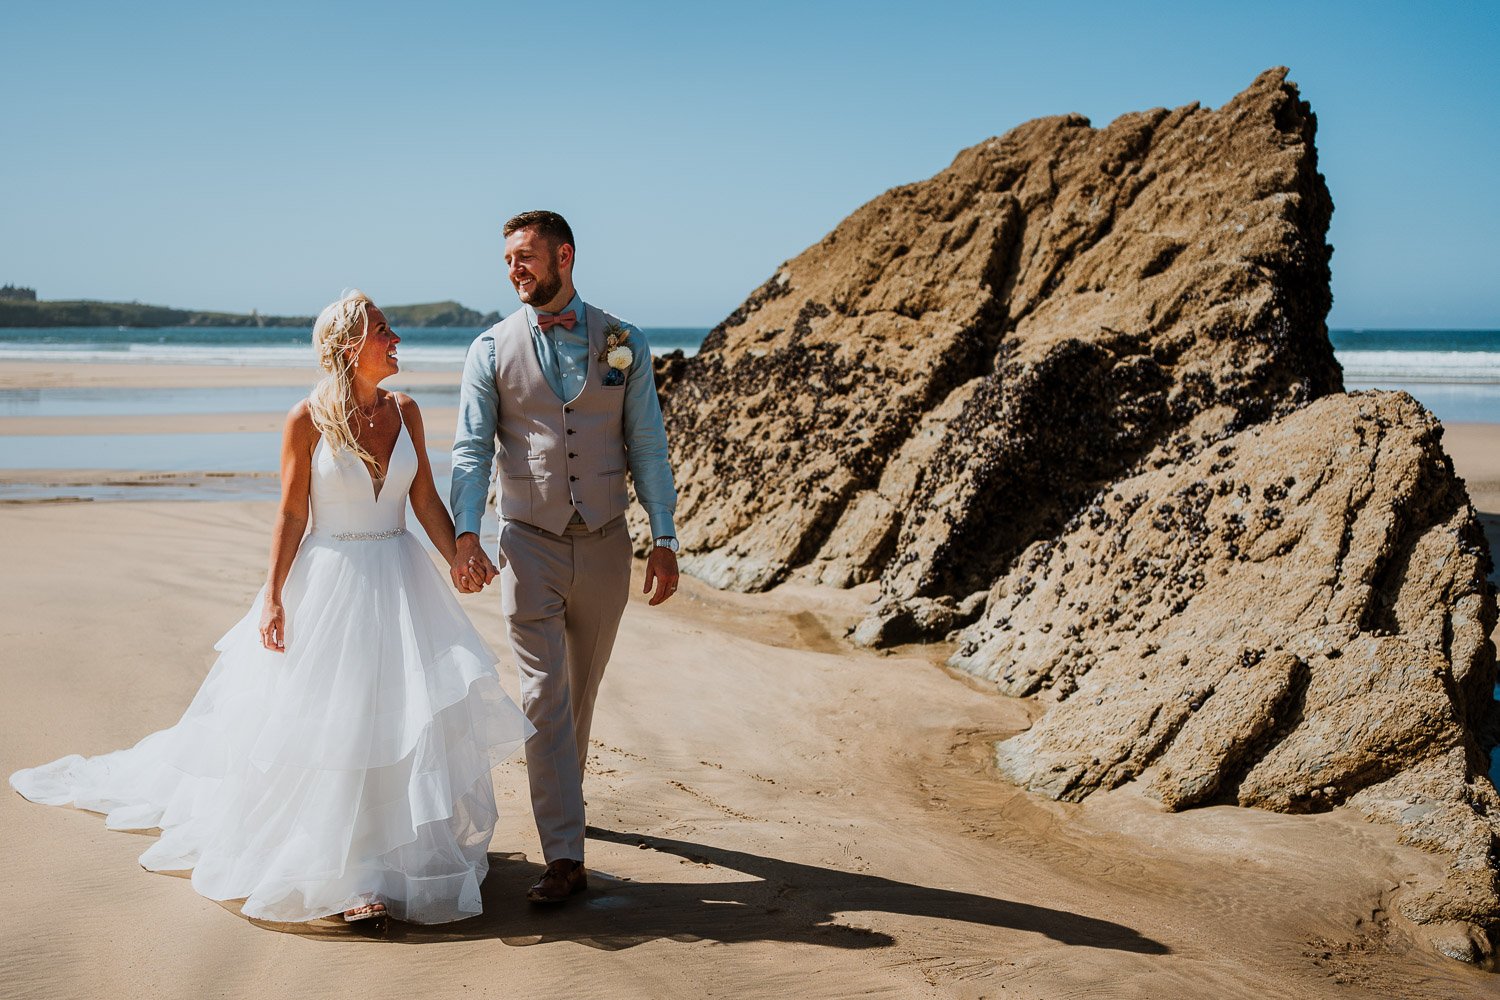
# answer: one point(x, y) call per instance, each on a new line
point(369, 911)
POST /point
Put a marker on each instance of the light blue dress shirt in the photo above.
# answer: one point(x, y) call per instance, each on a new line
point(564, 358)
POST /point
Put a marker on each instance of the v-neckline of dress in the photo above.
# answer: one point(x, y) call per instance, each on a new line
point(378, 483)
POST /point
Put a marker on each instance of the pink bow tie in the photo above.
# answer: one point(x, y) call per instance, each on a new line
point(567, 319)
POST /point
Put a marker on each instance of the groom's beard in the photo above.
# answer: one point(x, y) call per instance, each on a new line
point(545, 289)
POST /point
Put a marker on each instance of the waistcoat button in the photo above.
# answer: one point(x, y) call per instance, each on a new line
point(572, 479)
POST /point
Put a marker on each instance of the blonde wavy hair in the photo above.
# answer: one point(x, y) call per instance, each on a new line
point(338, 334)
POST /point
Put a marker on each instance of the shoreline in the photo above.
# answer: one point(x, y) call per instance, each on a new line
point(439, 418)
point(1475, 450)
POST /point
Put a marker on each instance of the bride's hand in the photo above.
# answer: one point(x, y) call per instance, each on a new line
point(471, 568)
point(471, 576)
point(273, 627)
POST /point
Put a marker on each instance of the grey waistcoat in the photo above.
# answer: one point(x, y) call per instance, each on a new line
point(558, 457)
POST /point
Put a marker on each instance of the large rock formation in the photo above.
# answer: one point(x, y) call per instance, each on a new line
point(1074, 396)
point(1295, 619)
point(959, 365)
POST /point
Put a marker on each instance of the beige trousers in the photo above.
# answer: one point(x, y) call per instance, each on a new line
point(563, 596)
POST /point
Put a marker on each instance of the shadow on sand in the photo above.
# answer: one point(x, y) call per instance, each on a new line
point(782, 901)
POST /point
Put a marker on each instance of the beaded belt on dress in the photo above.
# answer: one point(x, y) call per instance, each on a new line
point(368, 536)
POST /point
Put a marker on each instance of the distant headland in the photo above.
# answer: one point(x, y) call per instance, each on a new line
point(21, 307)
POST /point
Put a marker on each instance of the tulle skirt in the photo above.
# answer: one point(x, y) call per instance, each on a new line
point(354, 766)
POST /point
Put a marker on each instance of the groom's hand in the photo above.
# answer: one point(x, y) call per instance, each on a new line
point(661, 572)
point(471, 568)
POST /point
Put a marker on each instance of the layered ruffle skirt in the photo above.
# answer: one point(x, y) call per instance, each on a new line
point(354, 766)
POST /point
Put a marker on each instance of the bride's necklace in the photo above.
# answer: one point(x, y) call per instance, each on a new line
point(369, 418)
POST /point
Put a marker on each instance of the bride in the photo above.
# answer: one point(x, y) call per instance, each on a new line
point(337, 757)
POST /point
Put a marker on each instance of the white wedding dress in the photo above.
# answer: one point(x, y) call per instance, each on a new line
point(354, 766)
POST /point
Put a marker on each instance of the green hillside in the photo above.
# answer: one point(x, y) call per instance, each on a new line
point(448, 313)
point(85, 312)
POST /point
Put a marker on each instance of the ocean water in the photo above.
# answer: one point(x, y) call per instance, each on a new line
point(422, 349)
point(1463, 356)
point(1454, 373)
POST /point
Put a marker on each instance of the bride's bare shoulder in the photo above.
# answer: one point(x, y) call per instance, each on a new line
point(299, 424)
point(407, 405)
point(300, 413)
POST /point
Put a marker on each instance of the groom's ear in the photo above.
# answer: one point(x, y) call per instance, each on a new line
point(565, 255)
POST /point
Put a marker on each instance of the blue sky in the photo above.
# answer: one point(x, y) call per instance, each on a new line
point(269, 155)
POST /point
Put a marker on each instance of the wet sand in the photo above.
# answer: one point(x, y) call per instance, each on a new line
point(39, 375)
point(440, 419)
point(1475, 449)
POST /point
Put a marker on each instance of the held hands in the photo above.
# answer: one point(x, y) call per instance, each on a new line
point(471, 568)
point(273, 626)
point(661, 571)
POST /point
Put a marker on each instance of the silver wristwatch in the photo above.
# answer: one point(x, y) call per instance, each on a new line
point(667, 542)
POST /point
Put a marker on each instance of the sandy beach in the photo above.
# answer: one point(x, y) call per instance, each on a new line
point(774, 812)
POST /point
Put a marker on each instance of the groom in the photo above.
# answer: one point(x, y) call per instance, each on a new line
point(568, 391)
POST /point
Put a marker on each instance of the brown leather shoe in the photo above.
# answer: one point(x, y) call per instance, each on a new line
point(562, 879)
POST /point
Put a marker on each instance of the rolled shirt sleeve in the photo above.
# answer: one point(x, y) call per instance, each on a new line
point(474, 441)
point(646, 440)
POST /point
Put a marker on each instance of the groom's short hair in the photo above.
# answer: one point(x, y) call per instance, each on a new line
point(547, 224)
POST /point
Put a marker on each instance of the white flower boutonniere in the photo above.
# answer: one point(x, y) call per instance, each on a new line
point(617, 355)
